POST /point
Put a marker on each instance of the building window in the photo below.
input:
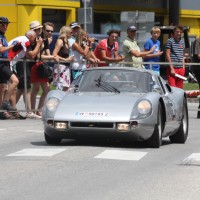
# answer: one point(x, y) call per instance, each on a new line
point(105, 21)
point(57, 17)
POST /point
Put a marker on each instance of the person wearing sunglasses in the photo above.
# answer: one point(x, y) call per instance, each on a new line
point(45, 32)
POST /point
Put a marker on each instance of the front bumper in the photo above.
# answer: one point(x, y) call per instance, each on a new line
point(77, 130)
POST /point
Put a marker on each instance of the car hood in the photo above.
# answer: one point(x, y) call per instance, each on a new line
point(96, 107)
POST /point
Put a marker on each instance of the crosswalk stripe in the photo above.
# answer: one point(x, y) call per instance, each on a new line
point(193, 159)
point(37, 131)
point(121, 155)
point(38, 152)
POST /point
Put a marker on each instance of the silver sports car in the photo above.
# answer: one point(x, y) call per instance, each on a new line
point(124, 102)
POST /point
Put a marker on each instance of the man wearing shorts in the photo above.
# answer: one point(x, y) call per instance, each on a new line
point(5, 72)
point(24, 49)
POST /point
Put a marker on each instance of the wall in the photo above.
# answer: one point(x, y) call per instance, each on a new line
point(22, 12)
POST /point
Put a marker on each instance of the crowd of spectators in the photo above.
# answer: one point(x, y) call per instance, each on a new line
point(72, 52)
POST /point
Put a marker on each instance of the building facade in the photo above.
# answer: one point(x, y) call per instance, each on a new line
point(189, 12)
point(22, 12)
point(106, 13)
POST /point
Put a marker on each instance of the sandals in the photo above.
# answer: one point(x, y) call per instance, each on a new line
point(6, 115)
point(39, 113)
point(16, 115)
point(11, 115)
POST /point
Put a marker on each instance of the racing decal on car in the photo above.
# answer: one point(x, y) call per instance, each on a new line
point(96, 114)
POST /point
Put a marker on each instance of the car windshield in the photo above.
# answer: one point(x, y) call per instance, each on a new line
point(115, 80)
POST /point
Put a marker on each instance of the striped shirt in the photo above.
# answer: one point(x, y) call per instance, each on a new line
point(176, 50)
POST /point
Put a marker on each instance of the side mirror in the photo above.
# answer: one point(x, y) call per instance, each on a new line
point(156, 88)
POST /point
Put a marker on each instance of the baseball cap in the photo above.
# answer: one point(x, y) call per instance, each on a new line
point(35, 25)
point(131, 28)
point(74, 24)
point(4, 20)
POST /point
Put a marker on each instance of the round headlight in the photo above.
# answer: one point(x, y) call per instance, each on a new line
point(52, 104)
point(144, 107)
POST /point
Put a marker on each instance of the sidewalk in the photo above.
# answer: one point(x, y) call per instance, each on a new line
point(193, 96)
point(21, 105)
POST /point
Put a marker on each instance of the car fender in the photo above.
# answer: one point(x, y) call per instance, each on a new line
point(154, 98)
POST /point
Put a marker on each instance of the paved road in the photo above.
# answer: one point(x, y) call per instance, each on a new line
point(100, 170)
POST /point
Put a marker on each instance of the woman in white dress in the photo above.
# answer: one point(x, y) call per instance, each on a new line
point(61, 75)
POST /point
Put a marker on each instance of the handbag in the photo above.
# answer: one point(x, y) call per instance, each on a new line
point(44, 70)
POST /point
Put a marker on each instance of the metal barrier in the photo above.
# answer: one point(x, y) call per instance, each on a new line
point(120, 64)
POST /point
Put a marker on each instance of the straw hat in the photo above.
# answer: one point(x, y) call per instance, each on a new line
point(35, 25)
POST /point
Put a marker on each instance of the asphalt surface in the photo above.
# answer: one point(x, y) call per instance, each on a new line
point(101, 170)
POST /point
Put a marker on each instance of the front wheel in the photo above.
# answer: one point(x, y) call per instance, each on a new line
point(156, 139)
point(50, 140)
point(181, 135)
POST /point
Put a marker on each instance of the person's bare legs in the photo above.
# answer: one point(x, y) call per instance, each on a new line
point(19, 94)
point(3, 88)
point(27, 101)
point(13, 99)
point(13, 82)
point(34, 92)
point(45, 90)
point(12, 85)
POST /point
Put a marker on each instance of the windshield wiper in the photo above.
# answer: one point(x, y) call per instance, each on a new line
point(106, 86)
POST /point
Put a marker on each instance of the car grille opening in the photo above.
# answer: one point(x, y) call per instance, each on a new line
point(92, 124)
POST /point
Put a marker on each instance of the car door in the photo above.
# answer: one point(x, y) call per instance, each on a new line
point(171, 106)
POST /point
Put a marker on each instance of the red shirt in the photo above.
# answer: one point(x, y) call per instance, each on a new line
point(103, 45)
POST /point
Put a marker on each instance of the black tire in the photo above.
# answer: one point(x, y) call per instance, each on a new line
point(181, 135)
point(50, 140)
point(156, 139)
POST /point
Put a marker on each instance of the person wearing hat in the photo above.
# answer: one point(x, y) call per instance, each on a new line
point(36, 26)
point(131, 50)
point(44, 53)
point(75, 27)
point(5, 72)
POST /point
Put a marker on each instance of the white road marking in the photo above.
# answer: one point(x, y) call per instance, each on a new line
point(121, 155)
point(3, 129)
point(38, 152)
point(193, 159)
point(37, 131)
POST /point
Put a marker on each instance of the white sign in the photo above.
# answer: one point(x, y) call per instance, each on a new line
point(181, 77)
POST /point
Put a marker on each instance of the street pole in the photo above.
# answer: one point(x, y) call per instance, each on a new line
point(85, 15)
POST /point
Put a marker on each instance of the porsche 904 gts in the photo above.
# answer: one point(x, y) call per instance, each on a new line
point(135, 104)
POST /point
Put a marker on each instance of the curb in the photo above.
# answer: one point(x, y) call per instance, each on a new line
point(193, 100)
